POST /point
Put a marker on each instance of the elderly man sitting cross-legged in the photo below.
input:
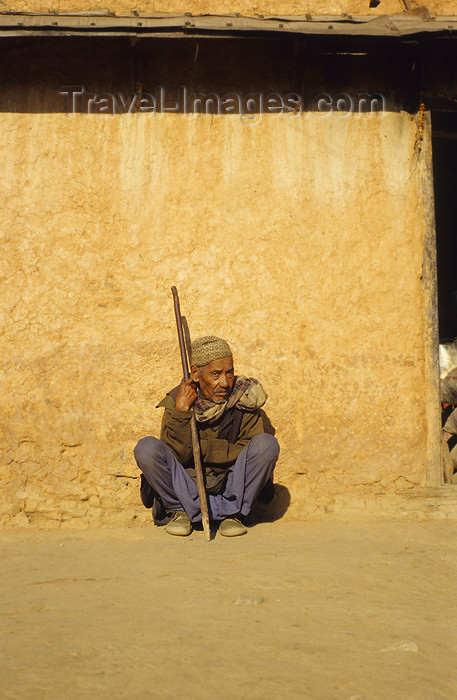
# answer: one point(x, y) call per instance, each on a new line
point(238, 457)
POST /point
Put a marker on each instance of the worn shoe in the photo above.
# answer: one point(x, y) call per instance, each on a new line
point(179, 524)
point(232, 527)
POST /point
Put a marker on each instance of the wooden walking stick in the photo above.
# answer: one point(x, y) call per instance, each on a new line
point(185, 353)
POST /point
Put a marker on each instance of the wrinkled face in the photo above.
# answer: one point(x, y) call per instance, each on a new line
point(215, 379)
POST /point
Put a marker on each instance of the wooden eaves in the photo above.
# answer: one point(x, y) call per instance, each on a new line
point(138, 24)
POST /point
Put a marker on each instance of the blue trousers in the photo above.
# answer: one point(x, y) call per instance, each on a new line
point(246, 477)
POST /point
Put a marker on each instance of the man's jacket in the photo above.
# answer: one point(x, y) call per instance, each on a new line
point(220, 443)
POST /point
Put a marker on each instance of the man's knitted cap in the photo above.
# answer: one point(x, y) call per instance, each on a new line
point(208, 349)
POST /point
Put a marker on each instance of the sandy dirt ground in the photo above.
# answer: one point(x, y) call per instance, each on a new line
point(315, 610)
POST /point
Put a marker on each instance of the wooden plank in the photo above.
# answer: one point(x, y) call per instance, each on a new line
point(339, 25)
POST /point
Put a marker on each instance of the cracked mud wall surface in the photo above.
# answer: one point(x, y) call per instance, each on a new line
point(244, 7)
point(299, 238)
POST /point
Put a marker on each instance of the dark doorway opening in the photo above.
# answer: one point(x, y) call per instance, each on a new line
point(444, 147)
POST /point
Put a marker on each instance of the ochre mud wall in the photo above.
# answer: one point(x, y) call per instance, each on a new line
point(299, 238)
point(244, 7)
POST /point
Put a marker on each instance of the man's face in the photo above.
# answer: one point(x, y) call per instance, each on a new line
point(216, 379)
